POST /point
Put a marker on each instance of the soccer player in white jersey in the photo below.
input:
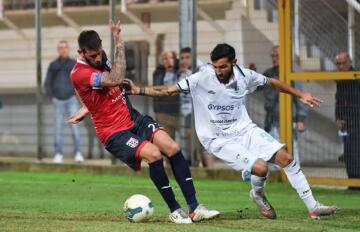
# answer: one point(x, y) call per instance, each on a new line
point(226, 130)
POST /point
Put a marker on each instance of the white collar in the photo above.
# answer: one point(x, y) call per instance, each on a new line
point(235, 77)
point(81, 62)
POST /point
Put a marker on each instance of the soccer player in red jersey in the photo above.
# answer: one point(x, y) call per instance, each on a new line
point(126, 133)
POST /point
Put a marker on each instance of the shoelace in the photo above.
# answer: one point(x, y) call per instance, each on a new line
point(202, 207)
point(319, 206)
point(265, 202)
point(182, 213)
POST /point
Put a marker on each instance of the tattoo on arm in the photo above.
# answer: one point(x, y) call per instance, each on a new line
point(118, 71)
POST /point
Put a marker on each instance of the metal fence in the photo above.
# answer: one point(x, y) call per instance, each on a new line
point(251, 26)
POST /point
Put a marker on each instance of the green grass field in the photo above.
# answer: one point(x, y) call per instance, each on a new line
point(74, 202)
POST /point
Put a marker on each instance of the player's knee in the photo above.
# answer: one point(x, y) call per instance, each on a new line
point(288, 159)
point(284, 159)
point(263, 170)
point(173, 149)
point(152, 154)
point(260, 168)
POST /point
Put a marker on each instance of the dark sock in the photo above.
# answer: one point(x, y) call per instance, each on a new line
point(161, 181)
point(183, 177)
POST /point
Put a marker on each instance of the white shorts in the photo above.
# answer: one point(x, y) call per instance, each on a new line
point(240, 152)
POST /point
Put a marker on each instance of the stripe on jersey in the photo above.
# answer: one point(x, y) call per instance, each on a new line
point(241, 72)
point(95, 80)
point(181, 89)
point(187, 82)
point(266, 81)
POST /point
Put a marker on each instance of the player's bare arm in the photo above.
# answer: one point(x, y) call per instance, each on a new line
point(80, 114)
point(118, 71)
point(304, 97)
point(154, 91)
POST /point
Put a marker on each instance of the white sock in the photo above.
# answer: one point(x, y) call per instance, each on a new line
point(258, 183)
point(298, 181)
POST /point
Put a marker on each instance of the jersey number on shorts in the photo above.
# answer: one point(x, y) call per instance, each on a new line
point(152, 126)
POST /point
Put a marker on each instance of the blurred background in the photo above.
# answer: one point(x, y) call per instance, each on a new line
point(320, 30)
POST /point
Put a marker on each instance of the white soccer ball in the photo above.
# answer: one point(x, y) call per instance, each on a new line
point(138, 208)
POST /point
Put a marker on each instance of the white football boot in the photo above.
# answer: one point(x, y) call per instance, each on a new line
point(202, 213)
point(322, 210)
point(263, 204)
point(180, 217)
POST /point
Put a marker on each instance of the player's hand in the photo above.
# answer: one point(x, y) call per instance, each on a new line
point(116, 31)
point(309, 100)
point(78, 116)
point(130, 87)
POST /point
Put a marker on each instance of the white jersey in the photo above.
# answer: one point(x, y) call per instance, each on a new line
point(220, 108)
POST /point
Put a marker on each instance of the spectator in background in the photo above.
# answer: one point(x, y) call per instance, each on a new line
point(59, 88)
point(347, 114)
point(252, 66)
point(186, 107)
point(167, 108)
point(271, 106)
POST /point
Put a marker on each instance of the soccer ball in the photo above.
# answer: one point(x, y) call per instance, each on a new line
point(138, 208)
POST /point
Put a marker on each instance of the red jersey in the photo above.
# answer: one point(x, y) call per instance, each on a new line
point(107, 105)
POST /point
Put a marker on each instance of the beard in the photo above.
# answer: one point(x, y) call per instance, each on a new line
point(224, 79)
point(98, 66)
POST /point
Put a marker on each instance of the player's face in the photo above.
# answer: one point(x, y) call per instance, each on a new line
point(224, 69)
point(185, 60)
point(63, 50)
point(93, 57)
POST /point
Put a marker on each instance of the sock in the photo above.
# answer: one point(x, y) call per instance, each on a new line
point(298, 181)
point(183, 177)
point(161, 181)
point(258, 183)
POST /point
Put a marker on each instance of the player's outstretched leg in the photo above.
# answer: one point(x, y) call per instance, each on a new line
point(151, 154)
point(180, 168)
point(257, 194)
point(298, 181)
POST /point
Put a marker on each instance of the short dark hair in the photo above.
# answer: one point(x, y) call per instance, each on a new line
point(63, 41)
point(221, 51)
point(185, 50)
point(89, 39)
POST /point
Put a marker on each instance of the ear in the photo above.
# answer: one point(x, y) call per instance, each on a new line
point(234, 61)
point(80, 52)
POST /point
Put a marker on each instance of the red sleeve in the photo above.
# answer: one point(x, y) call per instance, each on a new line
point(83, 78)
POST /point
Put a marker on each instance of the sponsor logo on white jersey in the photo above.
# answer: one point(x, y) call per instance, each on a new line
point(221, 107)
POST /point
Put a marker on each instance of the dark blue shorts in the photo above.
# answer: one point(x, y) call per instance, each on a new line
point(126, 145)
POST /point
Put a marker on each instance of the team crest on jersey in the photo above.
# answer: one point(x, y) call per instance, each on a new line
point(236, 89)
point(246, 160)
point(132, 142)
